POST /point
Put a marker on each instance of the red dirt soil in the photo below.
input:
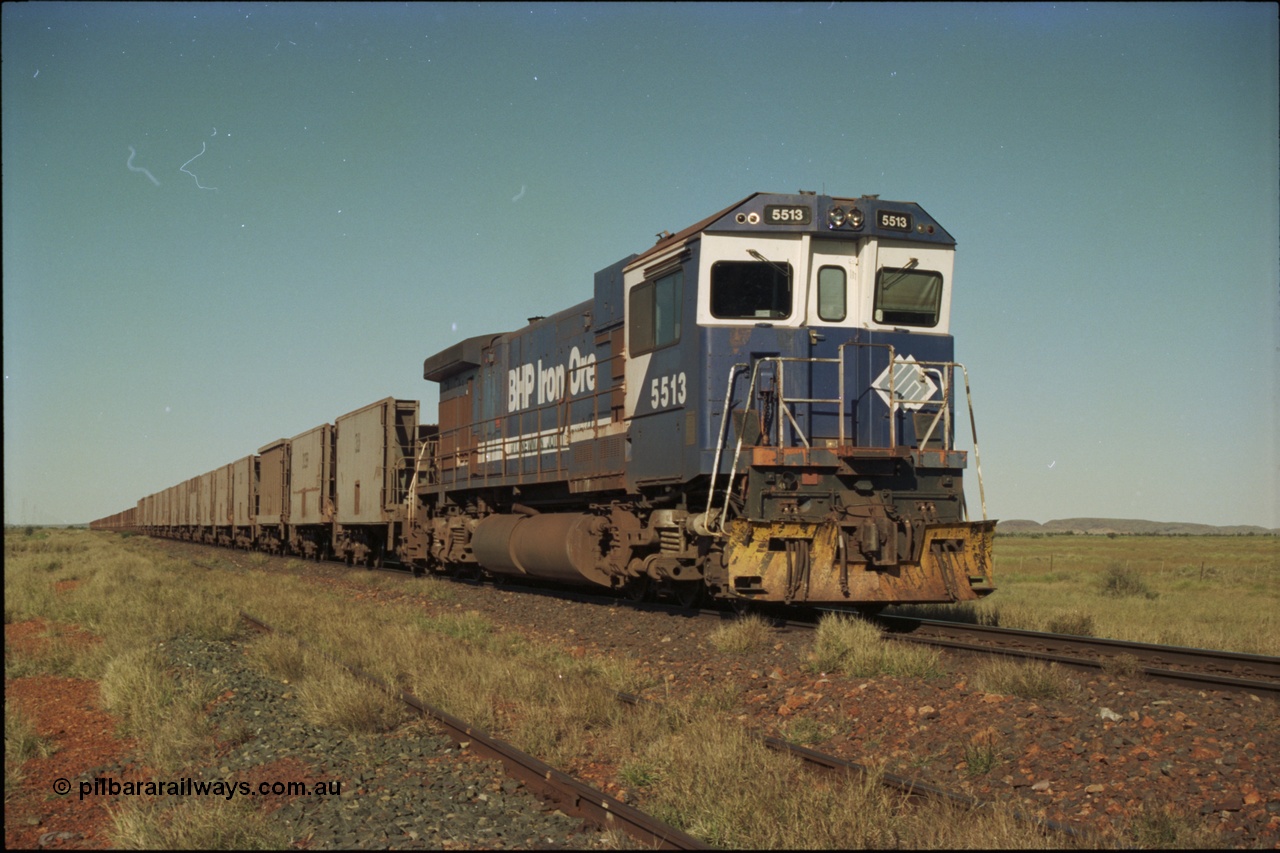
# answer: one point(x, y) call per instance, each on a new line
point(67, 712)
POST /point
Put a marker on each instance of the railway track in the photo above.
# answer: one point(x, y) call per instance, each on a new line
point(570, 795)
point(1206, 669)
point(1202, 669)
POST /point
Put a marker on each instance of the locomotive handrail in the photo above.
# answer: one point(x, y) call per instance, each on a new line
point(783, 399)
point(724, 429)
point(977, 457)
point(411, 498)
point(782, 405)
point(944, 407)
point(737, 451)
point(943, 370)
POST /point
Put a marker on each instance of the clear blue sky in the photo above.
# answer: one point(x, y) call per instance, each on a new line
point(371, 183)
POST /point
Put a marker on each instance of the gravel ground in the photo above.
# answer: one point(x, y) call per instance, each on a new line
point(412, 788)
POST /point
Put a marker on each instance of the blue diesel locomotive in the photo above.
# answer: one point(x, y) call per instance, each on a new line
point(760, 407)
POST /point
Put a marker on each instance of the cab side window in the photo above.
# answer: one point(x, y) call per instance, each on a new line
point(750, 290)
point(654, 312)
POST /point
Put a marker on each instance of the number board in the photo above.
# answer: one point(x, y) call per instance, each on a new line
point(787, 214)
point(892, 221)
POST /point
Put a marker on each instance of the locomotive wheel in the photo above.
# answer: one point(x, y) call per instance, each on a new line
point(469, 572)
point(638, 589)
point(688, 594)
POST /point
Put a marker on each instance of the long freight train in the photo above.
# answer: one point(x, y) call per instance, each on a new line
point(761, 407)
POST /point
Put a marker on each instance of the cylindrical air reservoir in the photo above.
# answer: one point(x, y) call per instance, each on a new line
point(562, 546)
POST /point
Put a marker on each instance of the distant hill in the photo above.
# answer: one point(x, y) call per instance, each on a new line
point(1129, 526)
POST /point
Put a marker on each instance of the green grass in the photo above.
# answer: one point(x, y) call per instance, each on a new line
point(981, 757)
point(1204, 591)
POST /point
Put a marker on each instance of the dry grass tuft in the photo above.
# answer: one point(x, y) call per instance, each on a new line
point(1124, 666)
point(333, 698)
point(1030, 679)
point(783, 803)
point(279, 657)
point(20, 744)
point(1076, 623)
point(1121, 581)
point(168, 717)
point(742, 636)
point(856, 647)
point(195, 823)
point(1166, 827)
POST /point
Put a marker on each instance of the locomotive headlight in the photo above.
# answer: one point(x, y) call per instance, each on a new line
point(835, 217)
point(855, 218)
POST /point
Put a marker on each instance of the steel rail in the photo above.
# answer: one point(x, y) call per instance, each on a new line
point(905, 628)
point(1154, 659)
point(570, 795)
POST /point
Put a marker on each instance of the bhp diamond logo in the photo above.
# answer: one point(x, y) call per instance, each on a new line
point(912, 385)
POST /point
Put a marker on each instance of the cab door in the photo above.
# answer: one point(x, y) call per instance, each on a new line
point(833, 298)
point(660, 377)
point(832, 316)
